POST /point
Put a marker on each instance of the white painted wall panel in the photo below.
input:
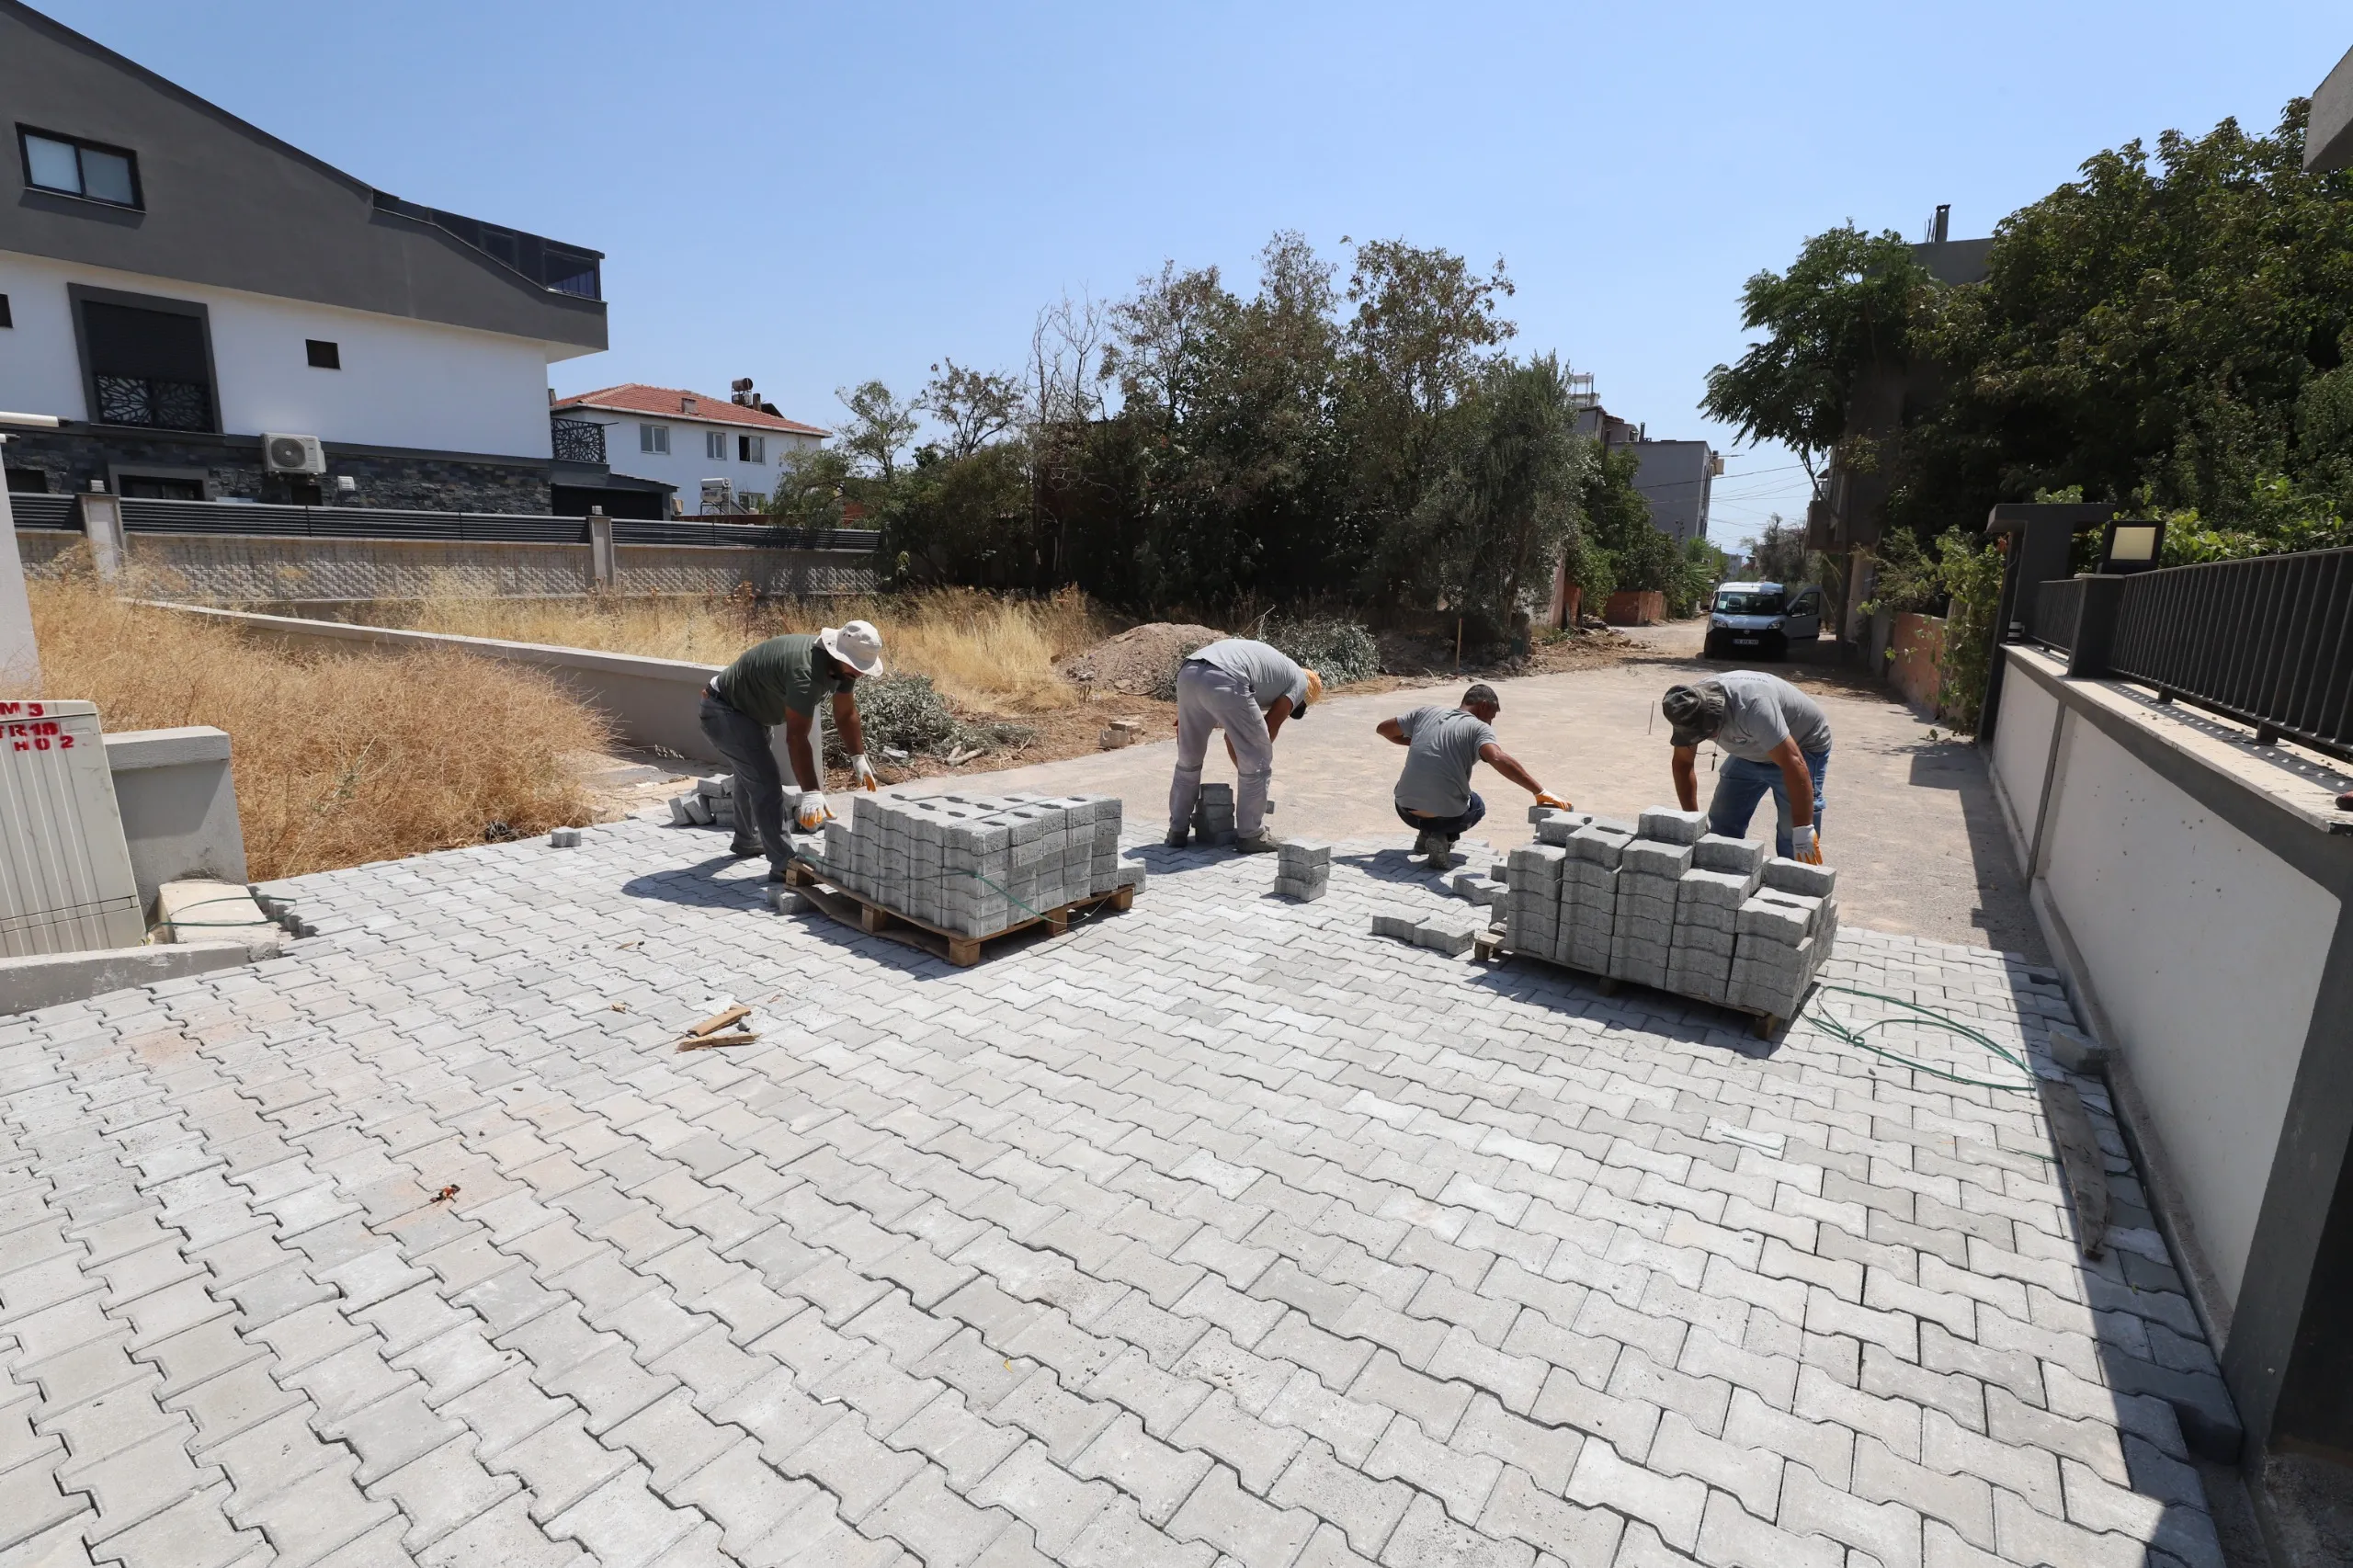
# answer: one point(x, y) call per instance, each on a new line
point(2022, 746)
point(403, 382)
point(2206, 951)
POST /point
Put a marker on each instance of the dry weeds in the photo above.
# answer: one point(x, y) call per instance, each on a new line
point(339, 760)
point(986, 654)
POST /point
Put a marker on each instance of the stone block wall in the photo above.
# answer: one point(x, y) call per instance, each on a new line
point(231, 467)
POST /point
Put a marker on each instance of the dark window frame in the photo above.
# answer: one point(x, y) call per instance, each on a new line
point(79, 294)
point(7, 316)
point(138, 202)
point(322, 354)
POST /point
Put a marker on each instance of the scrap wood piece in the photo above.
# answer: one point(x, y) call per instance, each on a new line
point(2080, 1159)
point(704, 1042)
point(718, 1021)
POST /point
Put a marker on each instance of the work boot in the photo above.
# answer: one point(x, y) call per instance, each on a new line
point(1429, 843)
point(1258, 843)
point(744, 850)
point(1177, 838)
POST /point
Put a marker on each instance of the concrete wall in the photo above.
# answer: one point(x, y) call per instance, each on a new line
point(653, 702)
point(246, 569)
point(2192, 886)
point(1915, 652)
point(403, 382)
point(179, 806)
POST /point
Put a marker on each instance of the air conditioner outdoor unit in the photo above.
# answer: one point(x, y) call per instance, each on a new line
point(293, 454)
point(66, 883)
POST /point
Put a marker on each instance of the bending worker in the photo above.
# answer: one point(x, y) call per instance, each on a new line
point(1248, 689)
point(779, 682)
point(1442, 745)
point(1774, 737)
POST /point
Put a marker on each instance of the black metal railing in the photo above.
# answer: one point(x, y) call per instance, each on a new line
point(142, 515)
point(2057, 616)
point(2268, 641)
point(578, 440)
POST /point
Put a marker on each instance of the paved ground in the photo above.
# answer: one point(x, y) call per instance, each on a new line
point(1912, 824)
point(1215, 1233)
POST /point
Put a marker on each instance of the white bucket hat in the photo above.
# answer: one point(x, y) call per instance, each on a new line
point(858, 644)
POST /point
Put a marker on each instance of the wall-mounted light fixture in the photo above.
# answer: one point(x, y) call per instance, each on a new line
point(2130, 546)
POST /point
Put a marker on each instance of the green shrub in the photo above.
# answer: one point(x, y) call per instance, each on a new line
point(1340, 651)
point(905, 712)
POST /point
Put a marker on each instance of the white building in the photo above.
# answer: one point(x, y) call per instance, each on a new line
point(682, 438)
point(175, 283)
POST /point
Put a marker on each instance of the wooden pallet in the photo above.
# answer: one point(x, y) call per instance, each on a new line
point(958, 948)
point(1491, 945)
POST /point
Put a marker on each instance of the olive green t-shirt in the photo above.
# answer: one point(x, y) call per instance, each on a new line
point(782, 675)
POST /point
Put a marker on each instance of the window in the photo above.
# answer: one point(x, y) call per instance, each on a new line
point(654, 438)
point(751, 448)
point(324, 356)
point(6, 319)
point(714, 445)
point(149, 363)
point(73, 168)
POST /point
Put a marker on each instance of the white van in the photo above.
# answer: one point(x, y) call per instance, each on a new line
point(1762, 619)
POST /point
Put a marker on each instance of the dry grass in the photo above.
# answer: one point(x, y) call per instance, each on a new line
point(984, 653)
point(339, 760)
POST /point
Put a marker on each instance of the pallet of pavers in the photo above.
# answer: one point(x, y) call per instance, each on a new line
point(1665, 904)
point(963, 869)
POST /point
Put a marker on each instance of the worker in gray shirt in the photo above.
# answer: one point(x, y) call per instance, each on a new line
point(1775, 738)
point(1248, 689)
point(1442, 746)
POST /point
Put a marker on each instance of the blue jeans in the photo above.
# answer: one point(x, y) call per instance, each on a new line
point(1741, 783)
point(1451, 828)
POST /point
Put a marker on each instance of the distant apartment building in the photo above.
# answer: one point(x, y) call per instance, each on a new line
point(682, 440)
point(175, 284)
point(1676, 477)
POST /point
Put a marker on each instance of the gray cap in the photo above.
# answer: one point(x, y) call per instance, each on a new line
point(1481, 695)
point(1696, 712)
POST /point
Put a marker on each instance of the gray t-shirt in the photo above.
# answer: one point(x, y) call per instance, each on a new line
point(1762, 710)
point(1272, 675)
point(1441, 748)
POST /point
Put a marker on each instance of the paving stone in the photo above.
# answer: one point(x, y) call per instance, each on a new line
point(1167, 1250)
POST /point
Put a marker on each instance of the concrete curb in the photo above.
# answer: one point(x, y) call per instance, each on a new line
point(48, 979)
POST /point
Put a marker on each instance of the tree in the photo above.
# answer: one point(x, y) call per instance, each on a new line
point(809, 487)
point(1846, 304)
point(880, 427)
point(1780, 553)
point(977, 407)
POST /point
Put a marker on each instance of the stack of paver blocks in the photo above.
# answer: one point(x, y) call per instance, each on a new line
point(1213, 815)
point(1532, 909)
point(1725, 872)
point(1449, 934)
point(1303, 870)
point(1649, 876)
point(1589, 894)
point(977, 865)
point(1786, 930)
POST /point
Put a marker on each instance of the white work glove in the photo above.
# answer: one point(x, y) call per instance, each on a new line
point(862, 772)
point(812, 815)
point(1805, 846)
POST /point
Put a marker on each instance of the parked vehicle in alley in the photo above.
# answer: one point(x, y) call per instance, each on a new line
point(1762, 619)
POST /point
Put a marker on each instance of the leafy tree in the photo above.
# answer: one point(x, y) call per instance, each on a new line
point(880, 427)
point(977, 407)
point(1780, 554)
point(809, 488)
point(1846, 304)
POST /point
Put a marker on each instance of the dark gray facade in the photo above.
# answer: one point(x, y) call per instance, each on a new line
point(227, 204)
point(192, 466)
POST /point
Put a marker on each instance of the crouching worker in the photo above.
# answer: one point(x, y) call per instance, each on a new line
point(1774, 740)
point(1442, 746)
point(779, 682)
point(1248, 689)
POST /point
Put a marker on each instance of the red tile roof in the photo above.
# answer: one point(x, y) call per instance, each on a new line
point(672, 402)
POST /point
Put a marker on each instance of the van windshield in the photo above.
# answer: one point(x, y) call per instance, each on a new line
point(1749, 601)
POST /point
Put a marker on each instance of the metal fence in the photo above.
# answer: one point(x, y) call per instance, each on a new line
point(142, 515)
point(2268, 641)
point(577, 440)
point(2057, 619)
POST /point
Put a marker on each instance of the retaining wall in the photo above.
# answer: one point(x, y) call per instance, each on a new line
point(234, 568)
point(1915, 652)
point(2192, 886)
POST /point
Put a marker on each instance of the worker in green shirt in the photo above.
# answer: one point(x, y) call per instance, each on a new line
point(779, 682)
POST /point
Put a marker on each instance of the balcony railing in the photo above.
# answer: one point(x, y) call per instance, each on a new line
point(578, 440)
point(2268, 641)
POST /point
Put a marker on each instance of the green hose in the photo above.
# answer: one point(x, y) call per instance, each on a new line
point(1839, 1029)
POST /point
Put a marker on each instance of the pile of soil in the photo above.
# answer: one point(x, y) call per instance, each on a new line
point(1136, 661)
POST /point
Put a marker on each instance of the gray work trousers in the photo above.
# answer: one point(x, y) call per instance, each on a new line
point(1209, 698)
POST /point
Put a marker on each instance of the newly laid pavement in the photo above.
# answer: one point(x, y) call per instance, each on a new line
point(1218, 1232)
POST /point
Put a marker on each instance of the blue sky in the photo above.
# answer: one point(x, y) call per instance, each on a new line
point(813, 195)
